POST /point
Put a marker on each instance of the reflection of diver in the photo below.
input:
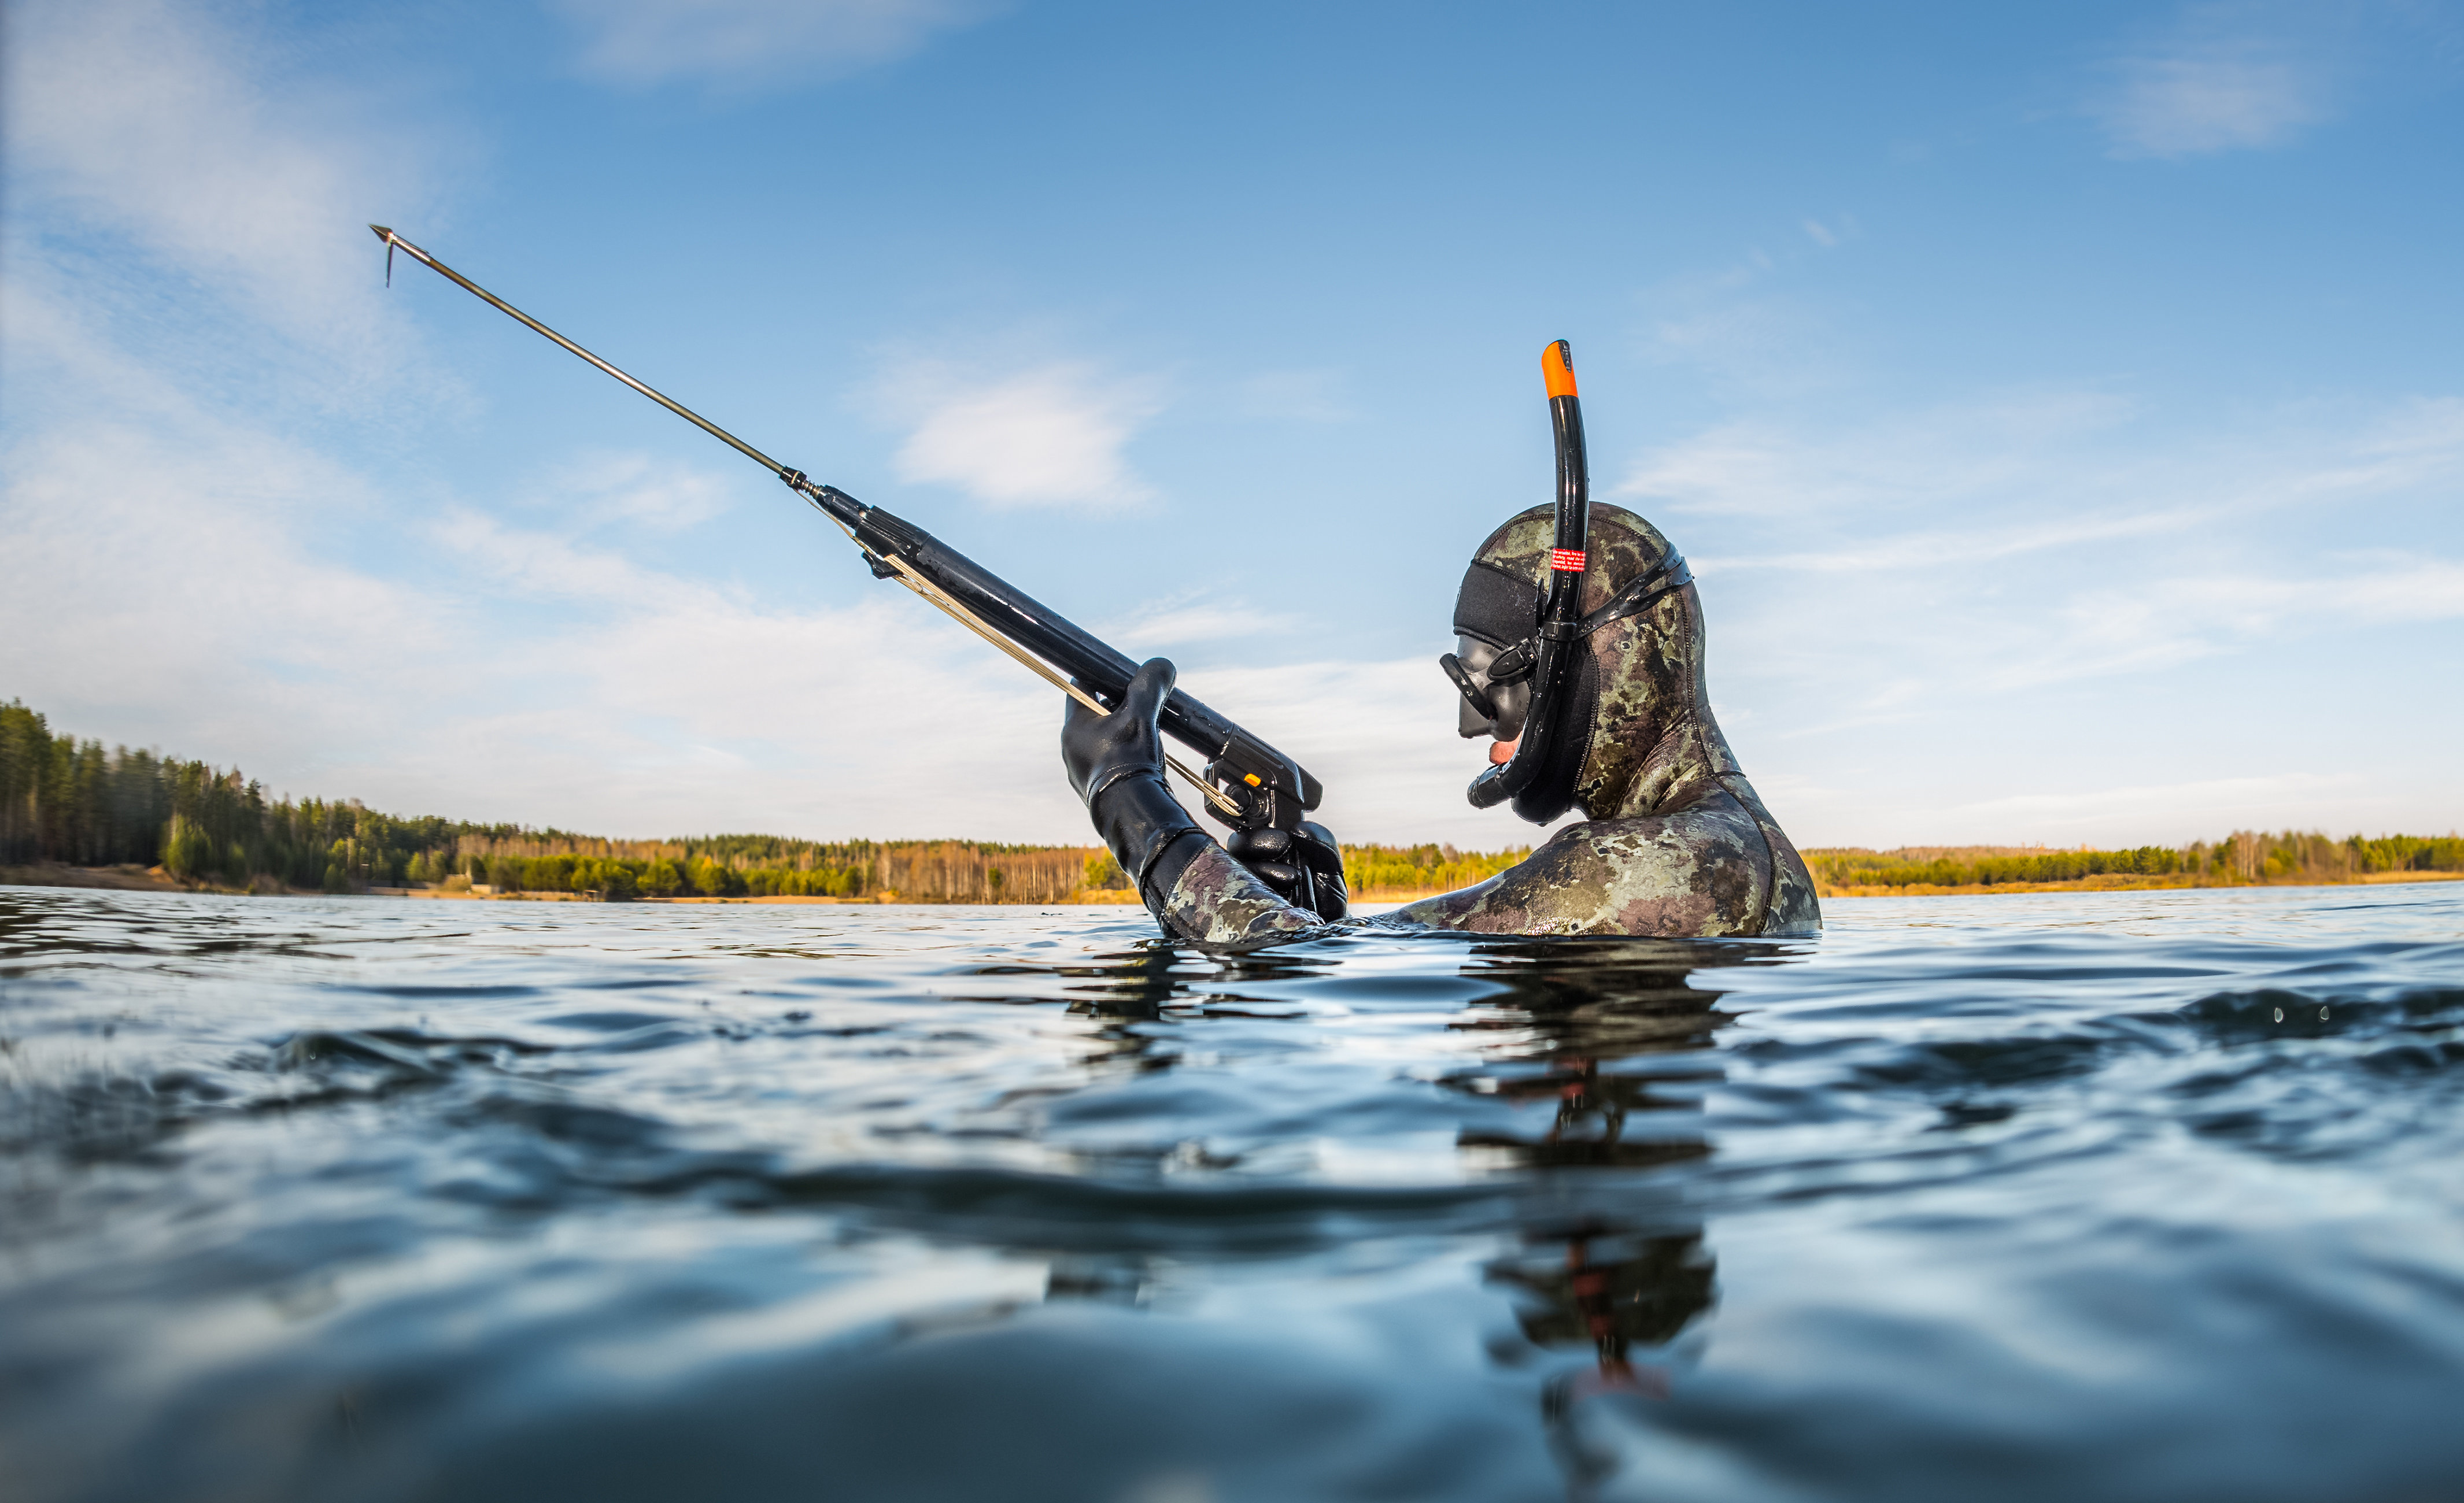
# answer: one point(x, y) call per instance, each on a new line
point(1603, 1020)
point(1614, 1292)
point(1621, 1032)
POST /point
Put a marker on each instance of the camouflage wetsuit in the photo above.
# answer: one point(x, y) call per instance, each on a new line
point(1677, 842)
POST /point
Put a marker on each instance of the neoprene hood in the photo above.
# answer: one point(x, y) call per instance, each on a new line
point(1639, 639)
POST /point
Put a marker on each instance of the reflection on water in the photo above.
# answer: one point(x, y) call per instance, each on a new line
point(1598, 1040)
point(2137, 1196)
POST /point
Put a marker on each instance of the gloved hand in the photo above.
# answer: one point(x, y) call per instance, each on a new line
point(1276, 855)
point(1115, 762)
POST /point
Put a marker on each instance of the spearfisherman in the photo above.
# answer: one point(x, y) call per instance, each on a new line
point(1579, 655)
point(1582, 659)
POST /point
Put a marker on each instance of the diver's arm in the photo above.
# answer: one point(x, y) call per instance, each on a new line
point(1212, 899)
point(1192, 885)
point(1516, 901)
point(1564, 887)
point(1699, 870)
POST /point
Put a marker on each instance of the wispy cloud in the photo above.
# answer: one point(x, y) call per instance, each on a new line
point(1911, 462)
point(2224, 80)
point(1745, 329)
point(492, 671)
point(2038, 557)
point(756, 41)
point(1188, 617)
point(200, 607)
point(2194, 809)
point(2172, 620)
point(1052, 436)
point(544, 564)
point(634, 488)
point(151, 124)
point(2024, 472)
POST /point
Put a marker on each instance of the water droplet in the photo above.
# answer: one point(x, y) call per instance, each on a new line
point(2322, 1014)
point(2280, 1014)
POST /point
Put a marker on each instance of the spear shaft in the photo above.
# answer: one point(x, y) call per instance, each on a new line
point(395, 242)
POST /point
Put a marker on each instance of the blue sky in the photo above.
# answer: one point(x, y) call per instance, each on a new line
point(2063, 406)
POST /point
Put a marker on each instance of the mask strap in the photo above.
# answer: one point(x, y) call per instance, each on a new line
point(1672, 575)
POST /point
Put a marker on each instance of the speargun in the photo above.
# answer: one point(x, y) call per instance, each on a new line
point(1247, 784)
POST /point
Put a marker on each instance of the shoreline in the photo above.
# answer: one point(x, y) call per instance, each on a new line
point(139, 879)
point(2125, 885)
point(154, 879)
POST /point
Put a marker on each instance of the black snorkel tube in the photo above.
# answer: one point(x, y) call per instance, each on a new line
point(1560, 637)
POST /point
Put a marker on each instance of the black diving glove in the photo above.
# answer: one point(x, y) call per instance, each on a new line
point(1115, 762)
point(1277, 856)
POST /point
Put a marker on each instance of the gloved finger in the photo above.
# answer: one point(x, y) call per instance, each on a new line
point(1150, 689)
point(1322, 859)
point(1264, 845)
point(1285, 879)
point(1315, 844)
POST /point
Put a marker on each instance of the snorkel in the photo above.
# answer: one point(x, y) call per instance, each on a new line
point(1550, 655)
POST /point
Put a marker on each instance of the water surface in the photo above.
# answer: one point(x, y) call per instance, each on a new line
point(2141, 1195)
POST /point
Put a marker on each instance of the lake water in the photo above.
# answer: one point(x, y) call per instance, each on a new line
point(2128, 1196)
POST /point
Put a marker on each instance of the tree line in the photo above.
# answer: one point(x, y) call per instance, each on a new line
point(2242, 857)
point(72, 801)
point(1371, 869)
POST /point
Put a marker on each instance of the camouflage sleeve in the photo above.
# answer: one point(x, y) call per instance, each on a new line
point(1504, 904)
point(1702, 872)
point(1217, 900)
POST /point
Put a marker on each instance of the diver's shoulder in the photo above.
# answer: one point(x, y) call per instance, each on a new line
point(1711, 808)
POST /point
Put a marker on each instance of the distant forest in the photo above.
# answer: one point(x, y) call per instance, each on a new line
point(73, 803)
point(2244, 856)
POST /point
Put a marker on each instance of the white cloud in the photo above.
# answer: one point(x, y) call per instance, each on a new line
point(519, 676)
point(2194, 809)
point(2426, 590)
point(2025, 472)
point(1924, 611)
point(2079, 808)
point(2166, 621)
point(634, 488)
point(2212, 87)
point(543, 564)
point(1907, 462)
point(740, 41)
point(1050, 436)
point(1188, 617)
point(142, 121)
point(191, 616)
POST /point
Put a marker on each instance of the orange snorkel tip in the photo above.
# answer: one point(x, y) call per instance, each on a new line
point(1557, 365)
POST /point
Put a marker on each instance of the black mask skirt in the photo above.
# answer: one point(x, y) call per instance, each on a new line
point(1500, 609)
